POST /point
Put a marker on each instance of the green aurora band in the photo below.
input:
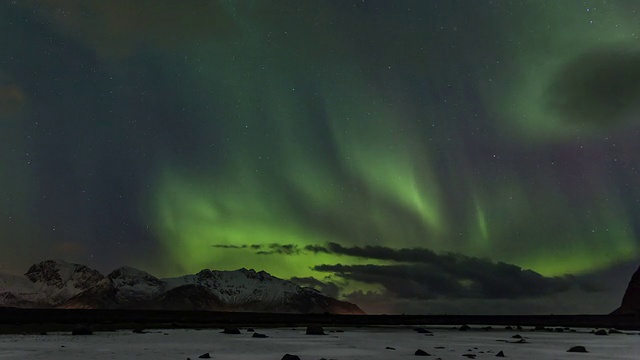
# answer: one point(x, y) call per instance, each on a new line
point(315, 151)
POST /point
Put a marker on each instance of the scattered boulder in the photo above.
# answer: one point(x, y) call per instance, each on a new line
point(421, 352)
point(559, 329)
point(601, 332)
point(315, 330)
point(259, 336)
point(290, 357)
point(390, 348)
point(82, 330)
point(231, 330)
point(517, 336)
point(464, 328)
point(578, 349)
point(500, 354)
point(204, 356)
point(470, 356)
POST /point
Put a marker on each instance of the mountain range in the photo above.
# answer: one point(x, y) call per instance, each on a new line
point(59, 284)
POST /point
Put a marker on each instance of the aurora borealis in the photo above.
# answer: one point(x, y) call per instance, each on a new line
point(327, 141)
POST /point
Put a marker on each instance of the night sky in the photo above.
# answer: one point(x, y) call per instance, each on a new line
point(412, 156)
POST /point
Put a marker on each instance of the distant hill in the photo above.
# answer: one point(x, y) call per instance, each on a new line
point(58, 284)
point(631, 300)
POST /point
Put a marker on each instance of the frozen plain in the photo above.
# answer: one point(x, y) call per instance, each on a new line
point(353, 343)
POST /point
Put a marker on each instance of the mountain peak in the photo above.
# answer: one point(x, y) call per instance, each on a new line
point(58, 272)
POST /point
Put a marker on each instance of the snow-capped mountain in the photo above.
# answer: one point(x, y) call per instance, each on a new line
point(55, 283)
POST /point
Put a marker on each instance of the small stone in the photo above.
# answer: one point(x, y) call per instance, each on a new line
point(500, 354)
point(578, 349)
point(470, 356)
point(259, 336)
point(290, 357)
point(315, 330)
point(601, 332)
point(464, 328)
point(390, 348)
point(231, 330)
point(421, 352)
point(517, 336)
point(204, 356)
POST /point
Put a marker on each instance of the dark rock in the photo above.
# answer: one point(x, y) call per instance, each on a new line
point(138, 331)
point(517, 336)
point(559, 329)
point(204, 356)
point(509, 328)
point(82, 330)
point(500, 354)
point(421, 352)
point(438, 347)
point(601, 332)
point(390, 348)
point(231, 331)
point(631, 299)
point(579, 349)
point(464, 328)
point(470, 356)
point(250, 330)
point(315, 330)
point(487, 328)
point(259, 336)
point(290, 357)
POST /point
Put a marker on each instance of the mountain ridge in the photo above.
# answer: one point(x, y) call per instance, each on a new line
point(59, 284)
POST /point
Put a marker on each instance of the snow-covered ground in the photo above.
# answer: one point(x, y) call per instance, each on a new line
point(353, 343)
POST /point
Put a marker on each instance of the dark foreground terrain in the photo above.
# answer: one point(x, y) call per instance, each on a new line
point(14, 320)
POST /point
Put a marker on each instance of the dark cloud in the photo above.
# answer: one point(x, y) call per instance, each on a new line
point(327, 288)
point(423, 274)
point(419, 281)
point(597, 88)
point(227, 246)
point(280, 249)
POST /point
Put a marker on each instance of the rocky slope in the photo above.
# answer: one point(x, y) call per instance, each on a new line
point(56, 283)
point(631, 300)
